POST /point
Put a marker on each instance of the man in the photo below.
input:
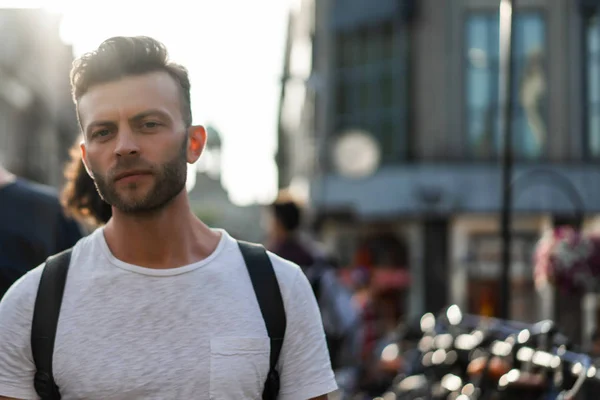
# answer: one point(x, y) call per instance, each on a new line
point(32, 227)
point(157, 305)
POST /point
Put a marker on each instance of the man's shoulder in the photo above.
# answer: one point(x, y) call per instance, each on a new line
point(20, 297)
point(291, 279)
point(27, 285)
point(23, 292)
point(284, 269)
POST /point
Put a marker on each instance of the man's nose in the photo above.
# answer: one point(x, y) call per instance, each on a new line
point(126, 143)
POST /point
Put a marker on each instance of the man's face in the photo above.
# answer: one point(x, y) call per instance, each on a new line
point(136, 143)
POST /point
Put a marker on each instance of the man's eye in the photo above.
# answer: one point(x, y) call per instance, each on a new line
point(151, 124)
point(101, 133)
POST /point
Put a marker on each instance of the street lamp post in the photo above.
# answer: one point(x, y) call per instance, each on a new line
point(504, 100)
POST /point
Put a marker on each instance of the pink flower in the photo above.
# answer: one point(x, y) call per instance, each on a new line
point(568, 259)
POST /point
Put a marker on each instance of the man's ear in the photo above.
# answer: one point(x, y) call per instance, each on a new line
point(84, 159)
point(196, 143)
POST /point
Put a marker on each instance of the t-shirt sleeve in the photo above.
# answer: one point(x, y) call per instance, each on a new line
point(304, 365)
point(17, 369)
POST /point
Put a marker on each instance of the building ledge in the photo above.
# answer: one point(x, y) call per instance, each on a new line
point(444, 189)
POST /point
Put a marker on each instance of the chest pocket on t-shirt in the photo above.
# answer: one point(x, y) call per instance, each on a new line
point(238, 367)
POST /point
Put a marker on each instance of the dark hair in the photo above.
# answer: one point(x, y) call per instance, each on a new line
point(288, 214)
point(121, 56)
point(79, 196)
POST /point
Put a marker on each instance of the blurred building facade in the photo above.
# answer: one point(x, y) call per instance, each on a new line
point(421, 77)
point(37, 117)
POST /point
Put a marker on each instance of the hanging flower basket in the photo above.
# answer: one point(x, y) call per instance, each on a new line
point(568, 260)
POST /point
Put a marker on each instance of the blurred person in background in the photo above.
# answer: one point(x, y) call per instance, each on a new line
point(284, 236)
point(157, 305)
point(340, 317)
point(33, 227)
point(364, 301)
point(79, 196)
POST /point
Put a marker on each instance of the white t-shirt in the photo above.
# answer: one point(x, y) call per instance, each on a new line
point(194, 332)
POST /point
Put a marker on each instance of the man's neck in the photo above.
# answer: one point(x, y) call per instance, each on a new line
point(172, 237)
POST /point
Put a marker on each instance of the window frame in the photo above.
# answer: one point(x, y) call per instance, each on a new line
point(373, 118)
point(496, 154)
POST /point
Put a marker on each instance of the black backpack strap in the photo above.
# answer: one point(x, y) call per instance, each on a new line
point(45, 320)
point(314, 275)
point(269, 299)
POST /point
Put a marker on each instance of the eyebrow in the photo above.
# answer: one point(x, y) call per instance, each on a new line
point(149, 113)
point(137, 117)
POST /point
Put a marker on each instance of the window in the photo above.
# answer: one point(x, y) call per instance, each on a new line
point(370, 86)
point(593, 85)
point(529, 86)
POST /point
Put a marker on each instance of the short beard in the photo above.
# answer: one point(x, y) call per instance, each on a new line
point(169, 180)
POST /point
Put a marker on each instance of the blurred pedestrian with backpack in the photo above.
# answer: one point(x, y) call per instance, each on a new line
point(339, 313)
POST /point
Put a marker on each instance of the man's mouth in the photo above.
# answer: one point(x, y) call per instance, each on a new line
point(130, 176)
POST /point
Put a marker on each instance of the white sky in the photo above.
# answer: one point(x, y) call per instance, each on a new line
point(234, 52)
